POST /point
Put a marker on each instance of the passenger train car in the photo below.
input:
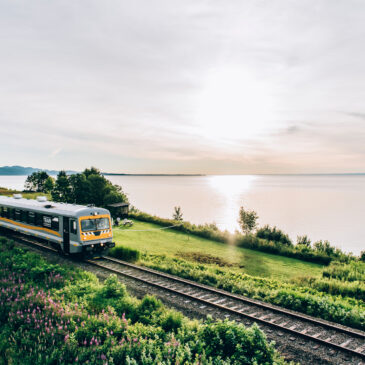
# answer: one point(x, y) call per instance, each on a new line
point(72, 229)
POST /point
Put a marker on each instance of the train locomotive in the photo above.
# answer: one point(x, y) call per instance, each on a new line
point(70, 228)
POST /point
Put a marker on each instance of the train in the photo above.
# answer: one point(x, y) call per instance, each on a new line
point(71, 229)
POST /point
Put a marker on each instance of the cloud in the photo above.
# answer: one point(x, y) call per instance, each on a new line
point(180, 86)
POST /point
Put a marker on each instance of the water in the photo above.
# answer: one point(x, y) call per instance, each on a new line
point(327, 207)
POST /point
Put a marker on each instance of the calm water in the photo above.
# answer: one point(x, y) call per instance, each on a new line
point(323, 207)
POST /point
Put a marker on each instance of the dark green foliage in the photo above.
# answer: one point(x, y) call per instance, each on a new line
point(88, 187)
point(125, 253)
point(300, 252)
point(113, 288)
point(224, 338)
point(62, 188)
point(172, 321)
point(362, 256)
point(39, 181)
point(274, 234)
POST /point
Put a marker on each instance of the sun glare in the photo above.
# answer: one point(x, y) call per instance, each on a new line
point(234, 105)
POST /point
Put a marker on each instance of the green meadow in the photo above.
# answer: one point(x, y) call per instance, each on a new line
point(150, 238)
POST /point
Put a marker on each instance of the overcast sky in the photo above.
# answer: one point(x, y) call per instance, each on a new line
point(216, 87)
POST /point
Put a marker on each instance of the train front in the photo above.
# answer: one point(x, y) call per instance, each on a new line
point(96, 233)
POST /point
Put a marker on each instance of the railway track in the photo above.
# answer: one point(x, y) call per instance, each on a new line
point(335, 338)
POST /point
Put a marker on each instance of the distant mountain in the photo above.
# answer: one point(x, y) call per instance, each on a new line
point(21, 170)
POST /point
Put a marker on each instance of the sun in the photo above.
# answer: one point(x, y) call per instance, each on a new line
point(235, 105)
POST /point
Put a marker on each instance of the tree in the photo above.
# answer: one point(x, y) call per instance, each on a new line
point(62, 189)
point(49, 184)
point(88, 187)
point(38, 181)
point(247, 220)
point(362, 256)
point(303, 240)
point(177, 216)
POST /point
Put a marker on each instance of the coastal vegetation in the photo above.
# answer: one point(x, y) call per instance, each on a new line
point(328, 292)
point(266, 239)
point(52, 314)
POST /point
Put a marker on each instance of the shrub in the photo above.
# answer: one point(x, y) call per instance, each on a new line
point(273, 234)
point(172, 321)
point(125, 253)
point(353, 271)
point(113, 288)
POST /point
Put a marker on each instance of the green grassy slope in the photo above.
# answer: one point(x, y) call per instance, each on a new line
point(176, 244)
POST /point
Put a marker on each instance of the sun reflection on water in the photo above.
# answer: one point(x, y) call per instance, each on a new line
point(231, 190)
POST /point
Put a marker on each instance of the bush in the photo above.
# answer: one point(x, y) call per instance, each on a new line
point(273, 234)
point(354, 271)
point(299, 252)
point(172, 321)
point(125, 253)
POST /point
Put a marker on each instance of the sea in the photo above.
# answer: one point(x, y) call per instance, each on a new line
point(323, 207)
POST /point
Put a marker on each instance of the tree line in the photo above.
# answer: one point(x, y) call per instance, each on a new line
point(87, 187)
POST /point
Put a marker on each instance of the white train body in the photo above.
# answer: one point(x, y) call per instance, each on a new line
point(73, 229)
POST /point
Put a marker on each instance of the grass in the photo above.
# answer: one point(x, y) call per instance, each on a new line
point(10, 192)
point(195, 249)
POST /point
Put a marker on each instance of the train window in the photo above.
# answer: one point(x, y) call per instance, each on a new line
point(1, 211)
point(55, 223)
point(73, 226)
point(47, 221)
point(5, 212)
point(11, 213)
point(23, 216)
point(39, 219)
point(17, 215)
point(31, 217)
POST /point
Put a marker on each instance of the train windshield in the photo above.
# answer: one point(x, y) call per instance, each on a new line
point(102, 223)
point(94, 224)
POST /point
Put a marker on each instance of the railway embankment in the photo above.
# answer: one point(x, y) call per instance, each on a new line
point(290, 345)
point(54, 312)
point(334, 292)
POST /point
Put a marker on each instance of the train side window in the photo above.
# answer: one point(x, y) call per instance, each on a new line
point(55, 224)
point(11, 213)
point(47, 221)
point(1, 212)
point(23, 216)
point(39, 219)
point(17, 215)
point(5, 212)
point(31, 218)
point(73, 226)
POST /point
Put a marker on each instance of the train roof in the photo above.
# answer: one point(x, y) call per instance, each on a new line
point(50, 207)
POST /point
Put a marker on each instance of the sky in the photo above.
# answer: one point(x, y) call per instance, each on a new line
point(166, 86)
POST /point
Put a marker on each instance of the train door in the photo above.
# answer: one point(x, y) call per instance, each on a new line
point(66, 235)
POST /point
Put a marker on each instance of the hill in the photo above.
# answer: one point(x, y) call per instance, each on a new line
point(21, 170)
